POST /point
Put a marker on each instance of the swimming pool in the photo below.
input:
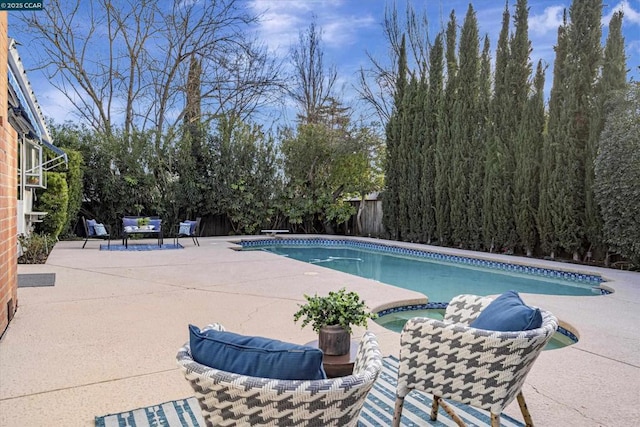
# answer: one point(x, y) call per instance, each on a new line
point(438, 276)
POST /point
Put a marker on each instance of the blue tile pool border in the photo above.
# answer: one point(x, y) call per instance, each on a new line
point(590, 279)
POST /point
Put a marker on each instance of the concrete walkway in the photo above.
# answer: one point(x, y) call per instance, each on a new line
point(104, 338)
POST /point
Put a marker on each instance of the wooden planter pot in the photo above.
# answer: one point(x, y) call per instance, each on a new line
point(333, 340)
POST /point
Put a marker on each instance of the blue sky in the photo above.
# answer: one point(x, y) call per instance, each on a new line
point(351, 28)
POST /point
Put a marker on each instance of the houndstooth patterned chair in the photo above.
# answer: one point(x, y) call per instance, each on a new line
point(229, 399)
point(451, 360)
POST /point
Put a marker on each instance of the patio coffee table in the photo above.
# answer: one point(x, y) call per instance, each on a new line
point(143, 232)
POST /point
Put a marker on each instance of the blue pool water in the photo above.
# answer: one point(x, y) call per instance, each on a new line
point(438, 280)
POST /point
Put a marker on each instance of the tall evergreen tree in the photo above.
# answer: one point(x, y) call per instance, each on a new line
point(443, 144)
point(583, 61)
point(432, 106)
point(497, 206)
point(393, 135)
point(550, 173)
point(408, 171)
point(416, 161)
point(519, 66)
point(463, 127)
point(528, 158)
point(613, 78)
point(479, 141)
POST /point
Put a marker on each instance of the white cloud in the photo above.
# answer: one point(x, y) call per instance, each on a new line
point(55, 104)
point(631, 16)
point(282, 22)
point(550, 20)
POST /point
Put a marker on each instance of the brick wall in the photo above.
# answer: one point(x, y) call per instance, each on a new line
point(8, 194)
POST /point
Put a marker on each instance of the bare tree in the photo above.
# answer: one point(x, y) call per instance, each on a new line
point(127, 63)
point(314, 83)
point(376, 84)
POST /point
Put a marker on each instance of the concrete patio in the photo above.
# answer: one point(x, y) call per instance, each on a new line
point(104, 338)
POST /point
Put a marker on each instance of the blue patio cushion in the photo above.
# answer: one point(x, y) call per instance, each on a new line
point(91, 226)
point(192, 228)
point(508, 313)
point(255, 356)
point(100, 230)
point(129, 222)
point(156, 223)
point(185, 228)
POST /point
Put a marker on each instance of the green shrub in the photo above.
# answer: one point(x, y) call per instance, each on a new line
point(74, 176)
point(55, 201)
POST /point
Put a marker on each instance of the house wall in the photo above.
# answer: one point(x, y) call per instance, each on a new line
point(8, 194)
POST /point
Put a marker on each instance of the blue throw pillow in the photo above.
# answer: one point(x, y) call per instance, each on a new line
point(185, 228)
point(255, 356)
point(91, 226)
point(508, 313)
point(193, 226)
point(156, 223)
point(129, 222)
point(100, 230)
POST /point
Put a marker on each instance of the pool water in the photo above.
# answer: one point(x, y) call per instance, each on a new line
point(439, 281)
point(395, 322)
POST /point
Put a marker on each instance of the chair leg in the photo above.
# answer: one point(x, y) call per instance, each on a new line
point(495, 420)
point(434, 408)
point(397, 413)
point(449, 410)
point(525, 411)
point(85, 243)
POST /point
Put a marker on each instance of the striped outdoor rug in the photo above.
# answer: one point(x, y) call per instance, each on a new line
point(377, 411)
point(141, 247)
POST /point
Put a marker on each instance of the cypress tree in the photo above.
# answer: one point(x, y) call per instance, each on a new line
point(408, 167)
point(550, 174)
point(497, 207)
point(519, 66)
point(528, 157)
point(479, 140)
point(583, 62)
point(525, 148)
point(390, 201)
point(443, 147)
point(614, 76)
point(463, 127)
point(416, 206)
point(432, 106)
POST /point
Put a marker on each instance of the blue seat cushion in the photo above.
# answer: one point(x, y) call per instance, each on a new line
point(508, 313)
point(255, 356)
point(156, 223)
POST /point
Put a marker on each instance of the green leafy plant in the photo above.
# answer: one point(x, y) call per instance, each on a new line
point(338, 308)
point(35, 248)
point(143, 222)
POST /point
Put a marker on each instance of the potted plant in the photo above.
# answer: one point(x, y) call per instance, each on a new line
point(143, 222)
point(332, 317)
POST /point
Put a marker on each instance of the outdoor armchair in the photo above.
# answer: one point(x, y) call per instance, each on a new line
point(229, 399)
point(95, 230)
point(481, 368)
point(189, 229)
